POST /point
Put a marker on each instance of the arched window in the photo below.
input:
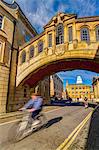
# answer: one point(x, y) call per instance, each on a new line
point(85, 34)
point(23, 56)
point(31, 54)
point(97, 33)
point(59, 34)
point(40, 46)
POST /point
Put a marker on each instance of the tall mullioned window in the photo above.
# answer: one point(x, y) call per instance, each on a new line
point(85, 34)
point(59, 34)
point(50, 40)
point(1, 21)
point(97, 33)
point(23, 57)
point(40, 46)
point(70, 34)
point(31, 52)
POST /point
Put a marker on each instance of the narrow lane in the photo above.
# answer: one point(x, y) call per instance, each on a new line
point(61, 123)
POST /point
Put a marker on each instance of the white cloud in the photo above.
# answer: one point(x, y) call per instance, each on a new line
point(39, 12)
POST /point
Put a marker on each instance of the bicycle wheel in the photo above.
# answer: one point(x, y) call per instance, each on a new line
point(15, 133)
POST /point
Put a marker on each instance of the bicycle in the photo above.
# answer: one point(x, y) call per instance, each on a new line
point(25, 127)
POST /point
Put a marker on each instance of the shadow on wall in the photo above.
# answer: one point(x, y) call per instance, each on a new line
point(92, 142)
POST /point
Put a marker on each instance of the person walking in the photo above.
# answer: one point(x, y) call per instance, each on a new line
point(86, 102)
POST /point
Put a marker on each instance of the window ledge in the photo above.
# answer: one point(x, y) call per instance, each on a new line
point(3, 34)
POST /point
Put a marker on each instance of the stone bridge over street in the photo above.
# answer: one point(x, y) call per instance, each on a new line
point(67, 43)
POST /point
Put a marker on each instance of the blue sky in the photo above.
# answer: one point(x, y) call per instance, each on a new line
point(39, 12)
point(71, 76)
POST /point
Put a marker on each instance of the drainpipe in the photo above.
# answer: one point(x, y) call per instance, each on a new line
point(14, 22)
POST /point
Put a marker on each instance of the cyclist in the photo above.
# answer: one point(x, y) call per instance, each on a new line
point(34, 105)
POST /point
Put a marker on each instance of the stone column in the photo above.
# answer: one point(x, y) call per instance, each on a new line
point(35, 50)
point(74, 31)
point(27, 55)
point(54, 40)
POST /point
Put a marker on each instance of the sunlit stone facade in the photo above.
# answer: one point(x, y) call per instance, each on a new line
point(96, 87)
point(79, 91)
point(67, 42)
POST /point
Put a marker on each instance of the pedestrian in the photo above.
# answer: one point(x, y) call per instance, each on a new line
point(86, 102)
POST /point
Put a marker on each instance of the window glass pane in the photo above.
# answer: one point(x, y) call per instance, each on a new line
point(85, 34)
point(1, 21)
point(59, 34)
point(97, 33)
point(40, 46)
point(31, 52)
point(70, 34)
point(50, 40)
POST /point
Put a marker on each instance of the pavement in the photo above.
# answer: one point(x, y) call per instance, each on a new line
point(61, 123)
point(6, 117)
point(88, 138)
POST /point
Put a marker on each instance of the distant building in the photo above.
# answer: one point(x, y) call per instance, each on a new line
point(56, 86)
point(96, 87)
point(79, 91)
point(43, 88)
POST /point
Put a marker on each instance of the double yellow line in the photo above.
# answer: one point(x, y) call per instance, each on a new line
point(66, 144)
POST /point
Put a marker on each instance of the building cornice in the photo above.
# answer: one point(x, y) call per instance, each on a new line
point(87, 19)
point(15, 9)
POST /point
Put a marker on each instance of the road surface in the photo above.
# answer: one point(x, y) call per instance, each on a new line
point(61, 123)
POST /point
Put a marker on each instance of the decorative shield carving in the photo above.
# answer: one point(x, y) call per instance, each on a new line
point(60, 50)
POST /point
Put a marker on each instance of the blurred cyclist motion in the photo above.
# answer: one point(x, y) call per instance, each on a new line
point(34, 106)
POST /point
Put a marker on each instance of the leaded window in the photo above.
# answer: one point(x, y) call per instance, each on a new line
point(40, 46)
point(70, 34)
point(59, 34)
point(85, 34)
point(1, 21)
point(50, 40)
point(31, 52)
point(97, 33)
point(23, 56)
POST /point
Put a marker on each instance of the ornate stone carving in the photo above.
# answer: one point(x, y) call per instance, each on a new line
point(60, 49)
point(46, 51)
point(75, 43)
point(66, 45)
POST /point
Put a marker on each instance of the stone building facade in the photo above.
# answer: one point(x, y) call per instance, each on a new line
point(96, 87)
point(67, 42)
point(56, 86)
point(79, 91)
point(15, 30)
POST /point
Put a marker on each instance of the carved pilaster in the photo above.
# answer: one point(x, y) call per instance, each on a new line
point(27, 55)
point(36, 51)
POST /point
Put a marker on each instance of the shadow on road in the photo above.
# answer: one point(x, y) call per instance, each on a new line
point(53, 121)
point(92, 142)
